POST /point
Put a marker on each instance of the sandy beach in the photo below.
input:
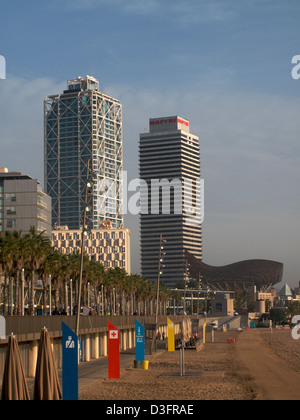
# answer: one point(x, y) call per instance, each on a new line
point(213, 369)
point(218, 372)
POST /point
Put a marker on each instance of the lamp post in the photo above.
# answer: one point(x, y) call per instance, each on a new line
point(84, 233)
point(160, 265)
point(71, 297)
point(199, 287)
point(22, 292)
point(186, 276)
point(50, 293)
point(114, 301)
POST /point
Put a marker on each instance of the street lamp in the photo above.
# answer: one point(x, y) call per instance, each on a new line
point(85, 232)
point(71, 297)
point(114, 301)
point(102, 300)
point(186, 276)
point(50, 293)
point(160, 266)
point(22, 295)
point(199, 287)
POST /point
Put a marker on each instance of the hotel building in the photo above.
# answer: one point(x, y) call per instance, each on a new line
point(81, 125)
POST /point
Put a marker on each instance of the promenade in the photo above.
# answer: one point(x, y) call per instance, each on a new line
point(256, 365)
point(260, 365)
point(93, 335)
point(90, 373)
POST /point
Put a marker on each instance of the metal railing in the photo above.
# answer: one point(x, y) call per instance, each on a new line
point(29, 327)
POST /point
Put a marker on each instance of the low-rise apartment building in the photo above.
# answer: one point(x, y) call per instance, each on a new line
point(111, 247)
point(23, 204)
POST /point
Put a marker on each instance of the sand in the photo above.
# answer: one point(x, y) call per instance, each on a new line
point(259, 365)
point(285, 347)
point(213, 377)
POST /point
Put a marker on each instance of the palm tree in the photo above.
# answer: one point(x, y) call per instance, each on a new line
point(96, 279)
point(118, 276)
point(150, 296)
point(66, 276)
point(130, 287)
point(141, 291)
point(46, 268)
point(75, 272)
point(146, 293)
point(6, 260)
point(109, 285)
point(38, 246)
point(59, 275)
point(18, 259)
point(86, 274)
point(176, 296)
point(164, 296)
point(34, 253)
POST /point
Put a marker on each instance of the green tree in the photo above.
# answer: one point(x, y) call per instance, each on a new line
point(6, 261)
point(277, 315)
point(37, 248)
point(293, 309)
point(176, 297)
point(19, 255)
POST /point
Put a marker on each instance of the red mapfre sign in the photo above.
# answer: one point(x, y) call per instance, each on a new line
point(168, 121)
point(113, 352)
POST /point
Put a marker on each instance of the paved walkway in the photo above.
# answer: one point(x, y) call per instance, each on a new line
point(92, 372)
point(96, 370)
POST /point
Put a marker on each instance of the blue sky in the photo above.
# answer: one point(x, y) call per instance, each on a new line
point(153, 43)
point(224, 65)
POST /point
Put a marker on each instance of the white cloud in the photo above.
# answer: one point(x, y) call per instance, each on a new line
point(21, 128)
point(130, 6)
point(184, 11)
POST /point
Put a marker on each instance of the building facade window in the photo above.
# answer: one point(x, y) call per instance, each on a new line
point(11, 198)
point(11, 224)
point(11, 211)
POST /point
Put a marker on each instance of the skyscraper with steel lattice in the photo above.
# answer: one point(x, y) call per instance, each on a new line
point(83, 125)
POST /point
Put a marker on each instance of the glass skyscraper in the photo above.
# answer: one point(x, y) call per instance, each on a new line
point(170, 197)
point(83, 125)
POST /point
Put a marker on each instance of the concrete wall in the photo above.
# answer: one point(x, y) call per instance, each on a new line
point(93, 333)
